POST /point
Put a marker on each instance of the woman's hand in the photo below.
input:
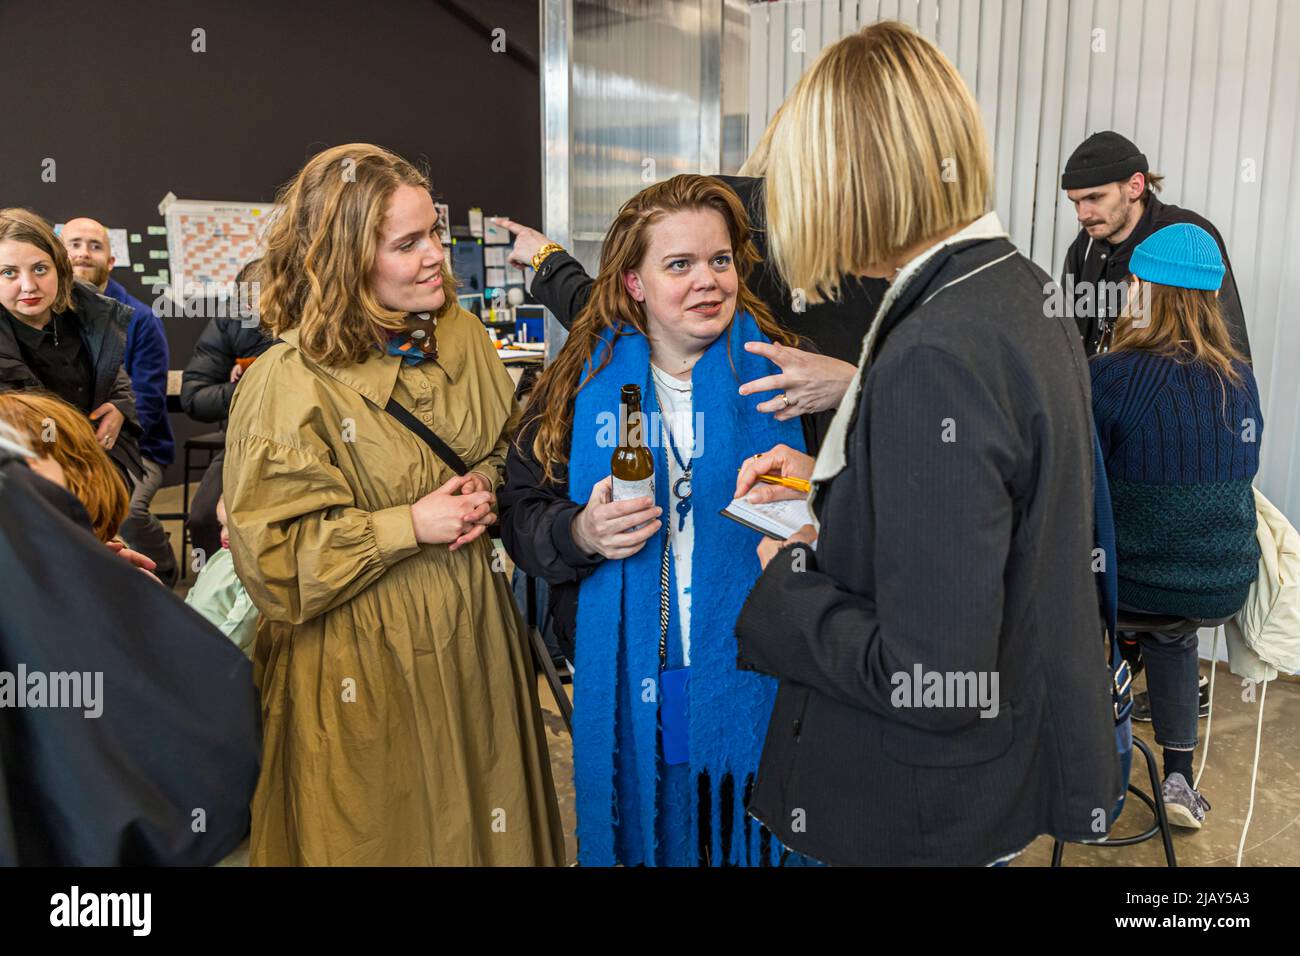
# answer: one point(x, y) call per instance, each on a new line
point(447, 516)
point(768, 547)
point(781, 460)
point(476, 482)
point(601, 527)
point(809, 382)
point(135, 558)
point(110, 422)
point(528, 242)
point(236, 372)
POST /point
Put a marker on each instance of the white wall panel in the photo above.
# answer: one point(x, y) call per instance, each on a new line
point(1199, 85)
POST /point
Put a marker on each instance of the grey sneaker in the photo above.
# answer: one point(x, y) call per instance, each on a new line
point(1184, 806)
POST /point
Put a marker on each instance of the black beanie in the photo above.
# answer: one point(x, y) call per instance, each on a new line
point(1102, 158)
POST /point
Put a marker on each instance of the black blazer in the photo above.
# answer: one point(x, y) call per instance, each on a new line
point(178, 729)
point(957, 539)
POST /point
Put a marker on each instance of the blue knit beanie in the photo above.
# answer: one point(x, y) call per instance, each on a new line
point(1181, 255)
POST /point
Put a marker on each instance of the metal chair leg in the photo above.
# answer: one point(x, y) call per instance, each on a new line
point(542, 660)
point(185, 510)
point(1155, 803)
point(1158, 798)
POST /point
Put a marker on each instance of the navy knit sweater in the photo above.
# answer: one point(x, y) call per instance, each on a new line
point(1180, 463)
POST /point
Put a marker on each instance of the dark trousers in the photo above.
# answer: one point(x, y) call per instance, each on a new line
point(1173, 678)
point(143, 532)
point(204, 529)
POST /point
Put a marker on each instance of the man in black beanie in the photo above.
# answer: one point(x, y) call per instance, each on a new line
point(1114, 196)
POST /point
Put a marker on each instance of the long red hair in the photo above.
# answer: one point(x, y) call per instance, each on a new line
point(611, 306)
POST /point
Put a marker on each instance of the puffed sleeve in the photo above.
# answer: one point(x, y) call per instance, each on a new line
point(300, 543)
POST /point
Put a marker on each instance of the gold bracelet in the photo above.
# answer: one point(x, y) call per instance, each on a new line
point(546, 250)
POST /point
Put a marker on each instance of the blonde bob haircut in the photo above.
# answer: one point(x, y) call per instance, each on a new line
point(54, 429)
point(23, 225)
point(879, 147)
point(320, 247)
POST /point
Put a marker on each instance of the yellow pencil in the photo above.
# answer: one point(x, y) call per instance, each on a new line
point(798, 484)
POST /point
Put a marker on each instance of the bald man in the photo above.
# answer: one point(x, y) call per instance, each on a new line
point(146, 361)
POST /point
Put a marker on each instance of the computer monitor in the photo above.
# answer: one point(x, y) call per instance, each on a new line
point(467, 264)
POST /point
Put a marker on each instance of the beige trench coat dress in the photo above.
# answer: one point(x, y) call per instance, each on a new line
point(399, 705)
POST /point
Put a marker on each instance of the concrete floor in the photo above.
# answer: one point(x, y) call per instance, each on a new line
point(1274, 837)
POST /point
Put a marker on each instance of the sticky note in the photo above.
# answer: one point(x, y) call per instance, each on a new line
point(157, 253)
point(138, 267)
point(136, 237)
point(157, 230)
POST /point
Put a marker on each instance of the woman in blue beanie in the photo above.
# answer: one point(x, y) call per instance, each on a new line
point(1178, 413)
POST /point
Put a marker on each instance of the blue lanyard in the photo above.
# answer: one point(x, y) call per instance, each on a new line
point(682, 486)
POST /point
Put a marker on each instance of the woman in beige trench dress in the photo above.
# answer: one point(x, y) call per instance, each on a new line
point(399, 706)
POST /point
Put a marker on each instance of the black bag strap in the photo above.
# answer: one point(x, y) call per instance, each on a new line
point(426, 434)
point(423, 431)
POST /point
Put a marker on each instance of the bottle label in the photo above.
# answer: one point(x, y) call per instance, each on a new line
point(633, 489)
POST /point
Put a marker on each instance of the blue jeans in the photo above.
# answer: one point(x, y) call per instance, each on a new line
point(1173, 675)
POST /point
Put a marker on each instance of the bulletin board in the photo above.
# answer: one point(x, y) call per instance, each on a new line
point(209, 242)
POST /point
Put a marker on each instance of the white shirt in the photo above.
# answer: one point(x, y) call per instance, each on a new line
point(677, 416)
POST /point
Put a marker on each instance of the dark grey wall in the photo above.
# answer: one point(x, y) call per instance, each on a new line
point(115, 95)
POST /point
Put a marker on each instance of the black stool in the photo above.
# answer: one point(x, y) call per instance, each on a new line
point(1158, 624)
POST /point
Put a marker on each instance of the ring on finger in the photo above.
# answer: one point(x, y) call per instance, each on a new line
point(785, 398)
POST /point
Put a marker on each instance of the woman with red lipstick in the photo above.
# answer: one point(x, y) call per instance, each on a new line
point(399, 706)
point(60, 335)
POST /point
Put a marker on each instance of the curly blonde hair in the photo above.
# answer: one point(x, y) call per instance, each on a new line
point(320, 247)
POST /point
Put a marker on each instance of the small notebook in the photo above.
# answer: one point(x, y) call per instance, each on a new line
point(776, 519)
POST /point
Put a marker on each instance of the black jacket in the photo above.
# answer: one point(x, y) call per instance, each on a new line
point(536, 517)
point(206, 388)
point(956, 539)
point(834, 328)
point(1088, 262)
point(104, 323)
point(163, 774)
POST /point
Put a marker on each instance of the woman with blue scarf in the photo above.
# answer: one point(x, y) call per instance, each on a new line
point(667, 731)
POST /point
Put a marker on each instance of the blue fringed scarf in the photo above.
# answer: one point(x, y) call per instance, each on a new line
point(626, 814)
